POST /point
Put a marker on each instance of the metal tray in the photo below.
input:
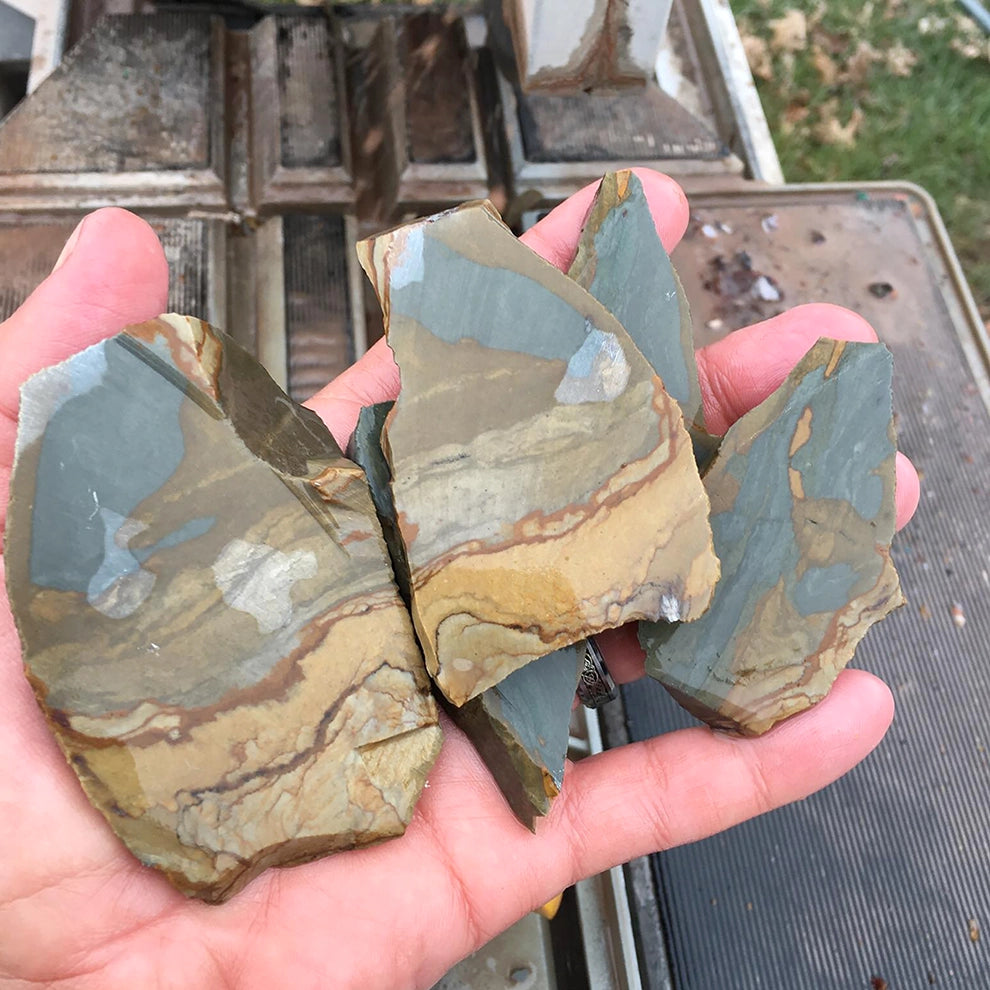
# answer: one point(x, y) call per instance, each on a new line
point(882, 879)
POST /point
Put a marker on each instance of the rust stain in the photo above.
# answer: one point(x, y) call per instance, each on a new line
point(802, 432)
point(795, 482)
point(838, 348)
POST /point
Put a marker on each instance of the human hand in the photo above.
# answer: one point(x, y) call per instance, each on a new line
point(76, 909)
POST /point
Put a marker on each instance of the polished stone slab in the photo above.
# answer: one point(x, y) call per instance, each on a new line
point(802, 495)
point(622, 262)
point(544, 483)
point(520, 727)
point(207, 611)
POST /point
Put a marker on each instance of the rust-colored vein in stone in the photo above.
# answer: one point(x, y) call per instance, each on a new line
point(543, 481)
point(538, 527)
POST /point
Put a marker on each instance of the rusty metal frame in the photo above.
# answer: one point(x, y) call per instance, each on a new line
point(275, 186)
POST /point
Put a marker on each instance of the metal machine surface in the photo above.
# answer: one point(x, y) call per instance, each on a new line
point(883, 876)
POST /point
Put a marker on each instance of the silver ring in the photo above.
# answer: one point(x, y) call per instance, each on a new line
point(595, 686)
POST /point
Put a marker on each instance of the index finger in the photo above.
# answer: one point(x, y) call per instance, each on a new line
point(555, 237)
point(738, 372)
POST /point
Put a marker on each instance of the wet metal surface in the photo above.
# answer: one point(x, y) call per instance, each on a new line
point(441, 113)
point(435, 60)
point(416, 118)
point(308, 96)
point(300, 149)
point(518, 959)
point(641, 124)
point(365, 111)
point(559, 143)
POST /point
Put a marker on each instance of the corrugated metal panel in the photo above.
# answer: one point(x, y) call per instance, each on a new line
point(317, 305)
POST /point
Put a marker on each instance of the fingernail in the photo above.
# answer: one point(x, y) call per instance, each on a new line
point(70, 245)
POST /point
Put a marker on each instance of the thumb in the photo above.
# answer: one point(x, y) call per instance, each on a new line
point(112, 272)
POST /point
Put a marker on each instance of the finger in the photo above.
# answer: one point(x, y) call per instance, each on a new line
point(623, 655)
point(375, 378)
point(738, 372)
point(907, 490)
point(58, 851)
point(555, 237)
point(686, 785)
point(372, 379)
point(112, 272)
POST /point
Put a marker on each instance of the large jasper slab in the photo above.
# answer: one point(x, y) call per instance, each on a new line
point(802, 494)
point(544, 482)
point(207, 611)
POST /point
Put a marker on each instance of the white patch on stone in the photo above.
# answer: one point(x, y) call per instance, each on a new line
point(597, 371)
point(46, 391)
point(462, 664)
point(183, 327)
point(125, 596)
point(670, 608)
point(407, 265)
point(120, 585)
point(257, 579)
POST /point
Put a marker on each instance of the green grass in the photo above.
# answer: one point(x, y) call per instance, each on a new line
point(931, 127)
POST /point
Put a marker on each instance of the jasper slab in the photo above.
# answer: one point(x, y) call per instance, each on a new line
point(207, 611)
point(622, 262)
point(544, 483)
point(802, 496)
point(520, 727)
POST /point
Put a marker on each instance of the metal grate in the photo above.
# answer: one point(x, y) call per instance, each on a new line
point(317, 305)
point(29, 249)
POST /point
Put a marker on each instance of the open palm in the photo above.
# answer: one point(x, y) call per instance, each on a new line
point(77, 910)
